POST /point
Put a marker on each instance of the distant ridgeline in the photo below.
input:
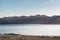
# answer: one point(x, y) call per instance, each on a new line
point(37, 19)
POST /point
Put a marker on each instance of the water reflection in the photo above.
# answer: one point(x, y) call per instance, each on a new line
point(31, 29)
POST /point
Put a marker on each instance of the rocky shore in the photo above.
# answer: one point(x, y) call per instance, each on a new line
point(12, 36)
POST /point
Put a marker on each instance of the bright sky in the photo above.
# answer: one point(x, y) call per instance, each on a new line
point(29, 7)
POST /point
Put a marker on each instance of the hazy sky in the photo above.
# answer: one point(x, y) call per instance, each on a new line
point(29, 7)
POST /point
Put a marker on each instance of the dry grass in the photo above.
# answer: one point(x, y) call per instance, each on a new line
point(27, 37)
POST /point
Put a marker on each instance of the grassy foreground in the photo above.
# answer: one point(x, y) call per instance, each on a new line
point(27, 37)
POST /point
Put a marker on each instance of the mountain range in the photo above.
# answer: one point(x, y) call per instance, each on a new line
point(37, 19)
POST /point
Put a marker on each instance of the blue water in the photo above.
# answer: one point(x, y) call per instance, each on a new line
point(31, 29)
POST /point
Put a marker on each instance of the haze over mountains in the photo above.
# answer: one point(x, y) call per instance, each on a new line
point(37, 19)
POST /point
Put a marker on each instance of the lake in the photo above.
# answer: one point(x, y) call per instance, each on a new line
point(31, 29)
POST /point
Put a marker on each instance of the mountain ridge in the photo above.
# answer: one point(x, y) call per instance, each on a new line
point(37, 19)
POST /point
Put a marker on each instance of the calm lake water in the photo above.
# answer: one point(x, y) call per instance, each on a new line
point(31, 29)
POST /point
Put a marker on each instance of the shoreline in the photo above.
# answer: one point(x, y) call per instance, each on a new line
point(12, 36)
